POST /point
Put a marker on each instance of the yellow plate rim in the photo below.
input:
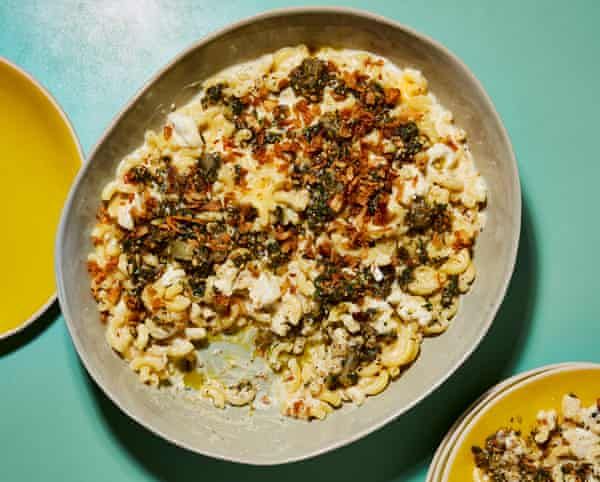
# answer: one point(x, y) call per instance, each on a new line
point(441, 456)
point(11, 65)
point(533, 377)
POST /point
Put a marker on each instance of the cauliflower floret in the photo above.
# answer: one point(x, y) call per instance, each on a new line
point(265, 290)
point(408, 307)
point(571, 405)
point(185, 130)
point(225, 278)
point(546, 424)
point(289, 312)
point(123, 210)
point(382, 319)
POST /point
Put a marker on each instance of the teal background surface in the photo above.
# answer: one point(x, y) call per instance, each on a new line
point(540, 63)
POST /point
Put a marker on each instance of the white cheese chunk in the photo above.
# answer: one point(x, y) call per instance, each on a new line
point(185, 130)
point(266, 290)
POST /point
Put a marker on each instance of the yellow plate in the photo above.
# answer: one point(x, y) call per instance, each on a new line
point(40, 157)
point(440, 458)
point(525, 400)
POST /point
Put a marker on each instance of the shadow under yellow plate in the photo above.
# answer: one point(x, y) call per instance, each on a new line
point(544, 391)
point(39, 159)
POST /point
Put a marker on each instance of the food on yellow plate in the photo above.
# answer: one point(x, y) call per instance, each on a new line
point(323, 200)
point(561, 447)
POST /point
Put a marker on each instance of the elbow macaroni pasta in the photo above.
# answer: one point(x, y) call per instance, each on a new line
point(326, 200)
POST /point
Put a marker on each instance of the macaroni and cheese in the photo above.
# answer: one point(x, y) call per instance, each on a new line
point(324, 199)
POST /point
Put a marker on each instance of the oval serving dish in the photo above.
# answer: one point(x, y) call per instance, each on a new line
point(232, 434)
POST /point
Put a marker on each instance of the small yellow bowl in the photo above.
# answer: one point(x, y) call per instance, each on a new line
point(40, 157)
point(518, 407)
